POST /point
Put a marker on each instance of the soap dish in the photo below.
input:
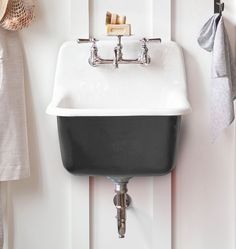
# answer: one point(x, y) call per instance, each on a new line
point(118, 29)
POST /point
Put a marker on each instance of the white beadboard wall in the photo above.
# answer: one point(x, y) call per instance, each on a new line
point(50, 210)
point(204, 182)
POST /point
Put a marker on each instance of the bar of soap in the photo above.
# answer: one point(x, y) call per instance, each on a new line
point(121, 20)
point(108, 17)
point(114, 18)
point(119, 29)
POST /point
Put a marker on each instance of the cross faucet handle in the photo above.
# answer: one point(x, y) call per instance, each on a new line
point(145, 40)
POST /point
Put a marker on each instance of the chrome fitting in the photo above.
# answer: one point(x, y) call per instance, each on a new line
point(122, 201)
point(95, 59)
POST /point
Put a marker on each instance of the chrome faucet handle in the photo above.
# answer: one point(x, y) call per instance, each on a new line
point(87, 40)
point(144, 57)
point(93, 58)
point(154, 40)
point(144, 40)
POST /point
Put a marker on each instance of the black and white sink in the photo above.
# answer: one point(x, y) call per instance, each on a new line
point(122, 121)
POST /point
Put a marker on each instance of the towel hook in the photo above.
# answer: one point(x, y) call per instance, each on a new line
point(218, 6)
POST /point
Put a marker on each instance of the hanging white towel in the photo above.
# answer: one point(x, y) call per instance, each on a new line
point(14, 159)
point(208, 32)
point(214, 38)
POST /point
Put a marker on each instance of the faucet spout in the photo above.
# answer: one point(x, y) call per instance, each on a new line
point(118, 53)
point(115, 62)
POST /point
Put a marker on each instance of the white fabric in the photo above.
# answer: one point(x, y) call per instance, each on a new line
point(14, 160)
point(208, 32)
point(214, 38)
point(223, 82)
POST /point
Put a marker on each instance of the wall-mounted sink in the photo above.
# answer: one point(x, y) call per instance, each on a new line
point(119, 121)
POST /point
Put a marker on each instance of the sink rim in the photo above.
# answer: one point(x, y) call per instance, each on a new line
point(80, 112)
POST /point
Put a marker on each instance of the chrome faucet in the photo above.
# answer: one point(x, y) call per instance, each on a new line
point(118, 53)
point(95, 59)
point(144, 58)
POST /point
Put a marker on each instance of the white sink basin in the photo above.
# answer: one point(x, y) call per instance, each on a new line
point(156, 89)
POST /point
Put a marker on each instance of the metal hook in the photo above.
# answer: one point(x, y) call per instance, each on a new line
point(218, 6)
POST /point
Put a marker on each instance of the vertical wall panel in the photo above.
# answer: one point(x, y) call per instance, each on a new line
point(149, 217)
point(79, 18)
point(80, 186)
point(161, 19)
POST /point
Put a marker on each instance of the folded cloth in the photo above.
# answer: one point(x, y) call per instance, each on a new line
point(14, 159)
point(207, 34)
point(214, 38)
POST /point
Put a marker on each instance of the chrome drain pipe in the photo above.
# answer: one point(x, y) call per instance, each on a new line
point(122, 201)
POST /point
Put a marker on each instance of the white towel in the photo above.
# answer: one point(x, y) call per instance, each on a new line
point(213, 37)
point(14, 160)
point(208, 32)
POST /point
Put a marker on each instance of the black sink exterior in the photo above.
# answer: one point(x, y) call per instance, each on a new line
point(134, 145)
